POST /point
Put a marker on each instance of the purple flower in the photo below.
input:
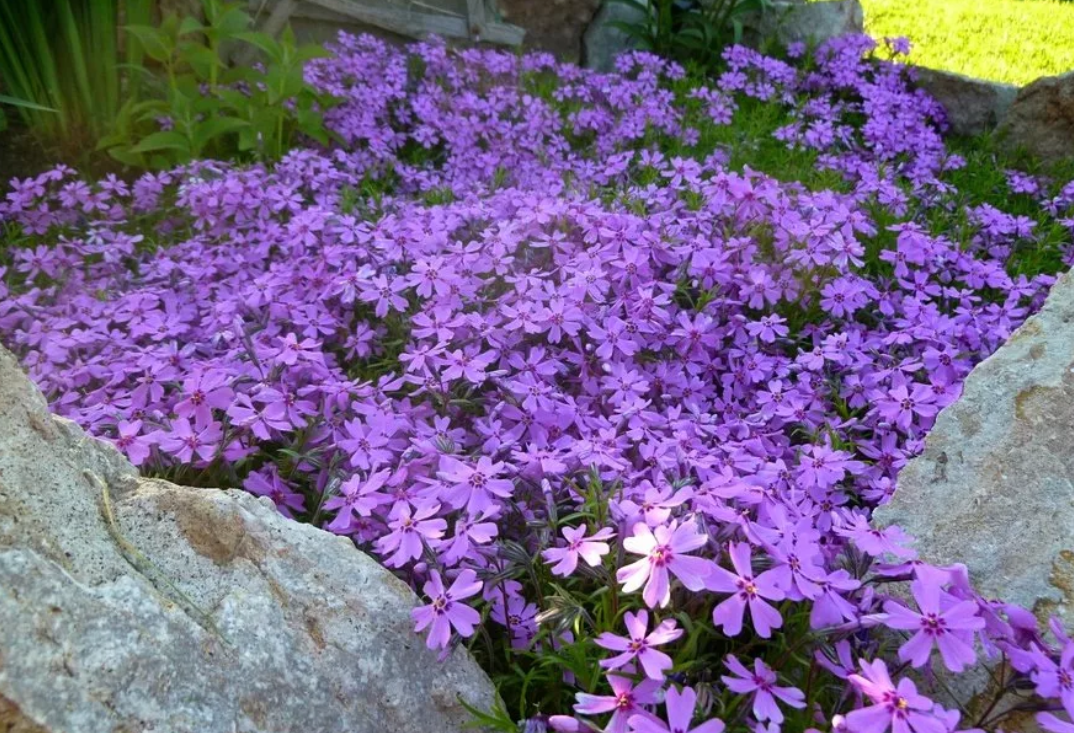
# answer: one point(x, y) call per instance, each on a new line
point(184, 441)
point(404, 541)
point(901, 707)
point(624, 702)
point(942, 621)
point(446, 610)
point(747, 591)
point(680, 711)
point(268, 483)
point(761, 683)
point(130, 440)
point(639, 647)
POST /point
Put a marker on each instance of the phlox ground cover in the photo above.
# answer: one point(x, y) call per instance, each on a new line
point(616, 406)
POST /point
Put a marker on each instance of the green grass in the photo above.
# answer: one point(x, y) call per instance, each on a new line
point(1012, 41)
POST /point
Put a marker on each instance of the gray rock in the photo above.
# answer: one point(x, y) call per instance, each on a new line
point(198, 611)
point(1042, 118)
point(994, 488)
point(555, 26)
point(973, 106)
point(603, 42)
point(788, 22)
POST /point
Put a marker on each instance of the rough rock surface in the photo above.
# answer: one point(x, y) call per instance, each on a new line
point(973, 105)
point(603, 41)
point(1042, 118)
point(556, 26)
point(198, 611)
point(791, 21)
point(994, 488)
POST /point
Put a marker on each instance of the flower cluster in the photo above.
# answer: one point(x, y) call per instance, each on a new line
point(515, 347)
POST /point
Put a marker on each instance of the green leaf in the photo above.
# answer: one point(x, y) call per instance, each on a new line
point(189, 25)
point(156, 44)
point(164, 140)
point(25, 104)
point(209, 130)
point(265, 43)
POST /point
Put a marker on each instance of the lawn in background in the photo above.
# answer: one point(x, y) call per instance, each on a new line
point(1012, 41)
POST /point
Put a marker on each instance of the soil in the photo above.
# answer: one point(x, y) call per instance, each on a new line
point(20, 154)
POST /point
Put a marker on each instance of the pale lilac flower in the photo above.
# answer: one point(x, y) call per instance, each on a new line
point(665, 550)
point(591, 549)
point(639, 647)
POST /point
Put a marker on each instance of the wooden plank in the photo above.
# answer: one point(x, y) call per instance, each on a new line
point(476, 11)
point(407, 23)
point(400, 21)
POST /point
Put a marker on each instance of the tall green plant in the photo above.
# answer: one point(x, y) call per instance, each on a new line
point(690, 30)
point(61, 67)
point(200, 105)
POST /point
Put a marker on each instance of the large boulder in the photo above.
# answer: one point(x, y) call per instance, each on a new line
point(788, 21)
point(603, 40)
point(973, 106)
point(1041, 119)
point(994, 488)
point(551, 25)
point(130, 604)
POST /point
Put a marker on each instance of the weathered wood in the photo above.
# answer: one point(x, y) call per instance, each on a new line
point(476, 11)
point(408, 23)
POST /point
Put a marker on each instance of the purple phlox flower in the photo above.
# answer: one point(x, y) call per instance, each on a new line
point(898, 707)
point(386, 294)
point(1054, 724)
point(761, 683)
point(903, 404)
point(446, 609)
point(625, 701)
point(1055, 679)
point(469, 531)
point(747, 591)
point(798, 564)
point(680, 711)
point(366, 443)
point(268, 482)
point(517, 614)
point(184, 441)
point(473, 485)
point(656, 505)
point(404, 541)
point(357, 496)
point(130, 440)
point(665, 550)
point(591, 549)
point(942, 621)
point(639, 647)
point(202, 393)
point(875, 540)
point(293, 351)
point(830, 608)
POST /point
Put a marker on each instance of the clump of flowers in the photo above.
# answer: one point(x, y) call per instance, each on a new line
point(618, 410)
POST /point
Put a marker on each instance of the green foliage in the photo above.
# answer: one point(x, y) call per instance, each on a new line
point(690, 30)
point(60, 66)
point(1012, 41)
point(200, 106)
